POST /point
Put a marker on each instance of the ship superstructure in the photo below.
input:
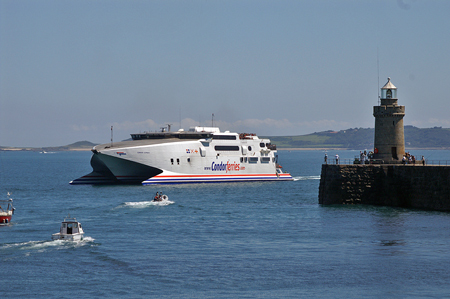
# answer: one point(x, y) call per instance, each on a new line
point(202, 154)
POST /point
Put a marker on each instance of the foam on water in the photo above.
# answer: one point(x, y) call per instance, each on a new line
point(40, 245)
point(307, 177)
point(144, 204)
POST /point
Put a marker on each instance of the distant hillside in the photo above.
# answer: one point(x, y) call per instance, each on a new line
point(80, 145)
point(361, 138)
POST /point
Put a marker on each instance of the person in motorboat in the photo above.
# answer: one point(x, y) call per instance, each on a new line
point(157, 197)
point(160, 197)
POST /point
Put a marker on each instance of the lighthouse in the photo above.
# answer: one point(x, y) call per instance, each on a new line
point(389, 144)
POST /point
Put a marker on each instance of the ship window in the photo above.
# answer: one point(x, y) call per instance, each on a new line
point(245, 159)
point(224, 137)
point(253, 159)
point(262, 144)
point(171, 161)
point(178, 161)
point(265, 159)
point(242, 159)
point(226, 148)
point(249, 148)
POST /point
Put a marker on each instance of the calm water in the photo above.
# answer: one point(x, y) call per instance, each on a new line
point(245, 240)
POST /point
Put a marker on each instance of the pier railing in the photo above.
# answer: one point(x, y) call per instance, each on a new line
point(438, 162)
point(374, 162)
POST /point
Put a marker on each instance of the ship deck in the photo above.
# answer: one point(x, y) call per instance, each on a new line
point(134, 143)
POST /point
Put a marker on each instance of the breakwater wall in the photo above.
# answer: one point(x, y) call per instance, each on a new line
point(410, 186)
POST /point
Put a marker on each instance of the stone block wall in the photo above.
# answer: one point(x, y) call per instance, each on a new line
point(421, 187)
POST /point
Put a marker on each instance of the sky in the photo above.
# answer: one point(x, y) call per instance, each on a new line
point(69, 70)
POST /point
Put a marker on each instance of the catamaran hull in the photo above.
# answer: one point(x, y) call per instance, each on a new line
point(118, 171)
point(222, 157)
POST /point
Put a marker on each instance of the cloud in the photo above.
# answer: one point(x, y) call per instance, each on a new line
point(270, 126)
point(432, 122)
point(266, 126)
point(130, 126)
point(403, 5)
point(83, 128)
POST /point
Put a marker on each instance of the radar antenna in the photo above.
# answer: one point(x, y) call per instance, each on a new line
point(378, 73)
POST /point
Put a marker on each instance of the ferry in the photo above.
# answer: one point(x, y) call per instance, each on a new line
point(199, 155)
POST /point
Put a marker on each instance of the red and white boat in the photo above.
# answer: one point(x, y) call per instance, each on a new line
point(6, 210)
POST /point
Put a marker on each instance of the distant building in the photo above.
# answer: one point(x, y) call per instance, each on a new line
point(389, 143)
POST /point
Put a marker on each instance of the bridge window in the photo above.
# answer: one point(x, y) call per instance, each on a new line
point(226, 148)
point(224, 137)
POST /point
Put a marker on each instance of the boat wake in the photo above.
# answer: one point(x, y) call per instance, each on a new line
point(306, 178)
point(42, 245)
point(144, 204)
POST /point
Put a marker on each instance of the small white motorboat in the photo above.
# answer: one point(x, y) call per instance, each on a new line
point(70, 230)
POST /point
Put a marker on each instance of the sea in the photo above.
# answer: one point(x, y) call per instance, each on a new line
point(228, 240)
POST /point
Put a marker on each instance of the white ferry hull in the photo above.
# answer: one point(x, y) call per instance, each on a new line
point(178, 178)
point(172, 160)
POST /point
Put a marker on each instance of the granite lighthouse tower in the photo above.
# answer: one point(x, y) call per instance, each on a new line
point(389, 144)
point(386, 182)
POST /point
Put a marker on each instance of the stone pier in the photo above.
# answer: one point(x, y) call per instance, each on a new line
point(396, 185)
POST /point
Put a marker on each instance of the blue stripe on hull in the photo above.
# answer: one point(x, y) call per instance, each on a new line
point(211, 180)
